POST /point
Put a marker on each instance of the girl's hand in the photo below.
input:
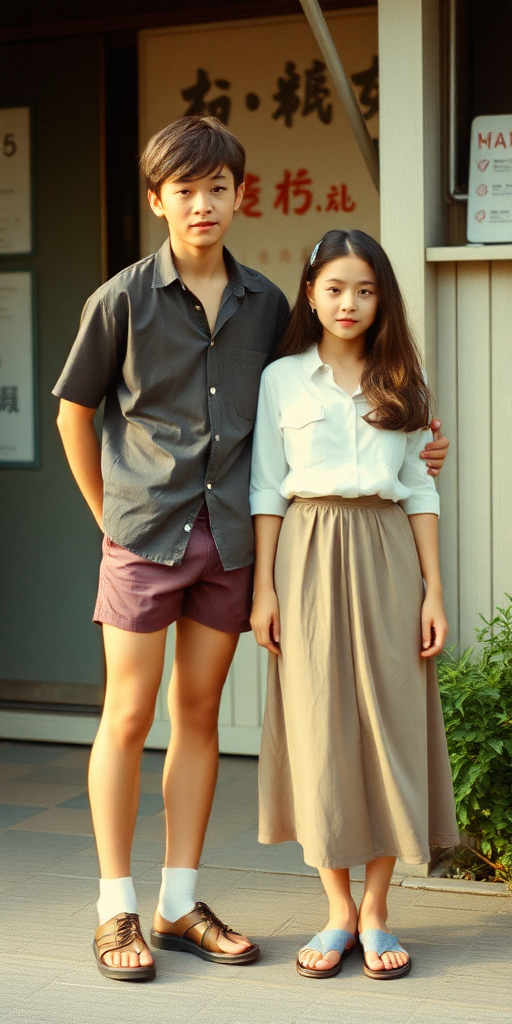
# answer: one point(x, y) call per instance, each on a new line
point(434, 627)
point(265, 622)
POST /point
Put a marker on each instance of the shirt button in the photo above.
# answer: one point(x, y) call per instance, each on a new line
point(217, 437)
point(187, 527)
point(212, 391)
point(209, 486)
point(198, 307)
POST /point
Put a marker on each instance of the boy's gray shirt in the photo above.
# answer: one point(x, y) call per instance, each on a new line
point(180, 403)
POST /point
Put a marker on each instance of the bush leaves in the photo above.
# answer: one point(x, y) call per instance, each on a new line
point(476, 693)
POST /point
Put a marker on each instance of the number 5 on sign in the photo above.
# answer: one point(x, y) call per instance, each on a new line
point(15, 183)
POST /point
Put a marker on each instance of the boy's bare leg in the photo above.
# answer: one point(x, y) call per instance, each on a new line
point(373, 911)
point(134, 671)
point(201, 663)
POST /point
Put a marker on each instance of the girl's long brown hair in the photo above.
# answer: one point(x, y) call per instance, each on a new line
point(392, 381)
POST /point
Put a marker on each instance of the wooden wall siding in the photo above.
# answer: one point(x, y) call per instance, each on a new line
point(474, 313)
point(501, 428)
point(243, 699)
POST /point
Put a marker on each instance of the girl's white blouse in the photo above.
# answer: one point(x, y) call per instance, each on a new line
point(311, 440)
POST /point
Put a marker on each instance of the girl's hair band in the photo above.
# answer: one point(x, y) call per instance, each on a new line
point(313, 256)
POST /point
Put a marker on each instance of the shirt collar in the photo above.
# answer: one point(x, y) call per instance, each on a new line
point(242, 278)
point(311, 362)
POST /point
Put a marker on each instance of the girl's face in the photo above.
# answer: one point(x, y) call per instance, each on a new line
point(345, 297)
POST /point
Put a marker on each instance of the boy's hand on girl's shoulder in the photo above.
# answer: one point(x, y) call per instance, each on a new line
point(265, 622)
point(435, 451)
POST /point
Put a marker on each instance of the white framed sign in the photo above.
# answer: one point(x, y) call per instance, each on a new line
point(18, 442)
point(16, 228)
point(490, 179)
point(266, 79)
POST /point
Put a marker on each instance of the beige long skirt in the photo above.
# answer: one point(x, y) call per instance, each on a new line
point(354, 763)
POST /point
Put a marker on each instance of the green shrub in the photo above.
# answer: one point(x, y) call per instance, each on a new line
point(476, 693)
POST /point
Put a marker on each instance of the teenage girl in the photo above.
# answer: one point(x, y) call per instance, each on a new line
point(348, 599)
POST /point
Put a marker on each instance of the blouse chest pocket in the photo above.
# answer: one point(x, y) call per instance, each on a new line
point(303, 429)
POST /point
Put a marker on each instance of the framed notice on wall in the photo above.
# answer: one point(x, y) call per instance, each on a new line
point(18, 440)
point(490, 179)
point(16, 228)
point(267, 81)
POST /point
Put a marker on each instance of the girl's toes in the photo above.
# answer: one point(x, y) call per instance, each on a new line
point(329, 960)
point(374, 962)
point(309, 957)
point(316, 961)
point(392, 960)
point(322, 964)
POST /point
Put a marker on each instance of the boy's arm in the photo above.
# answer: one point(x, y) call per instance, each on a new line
point(76, 428)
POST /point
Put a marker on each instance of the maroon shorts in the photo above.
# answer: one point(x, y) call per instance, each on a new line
point(143, 596)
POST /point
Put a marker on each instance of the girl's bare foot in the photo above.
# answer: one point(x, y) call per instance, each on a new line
point(314, 960)
point(373, 917)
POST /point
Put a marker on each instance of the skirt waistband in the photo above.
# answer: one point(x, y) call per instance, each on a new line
point(338, 499)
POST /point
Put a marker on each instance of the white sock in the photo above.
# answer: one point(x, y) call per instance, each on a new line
point(117, 896)
point(177, 893)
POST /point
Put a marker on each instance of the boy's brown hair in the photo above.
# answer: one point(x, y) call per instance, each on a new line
point(193, 147)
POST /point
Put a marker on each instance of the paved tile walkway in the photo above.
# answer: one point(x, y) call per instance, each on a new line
point(461, 945)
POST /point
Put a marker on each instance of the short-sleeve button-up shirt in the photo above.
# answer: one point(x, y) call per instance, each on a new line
point(180, 402)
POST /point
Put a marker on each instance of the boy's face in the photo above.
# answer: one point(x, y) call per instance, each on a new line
point(198, 210)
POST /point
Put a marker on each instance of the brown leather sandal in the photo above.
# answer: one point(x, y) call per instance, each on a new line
point(121, 932)
point(198, 932)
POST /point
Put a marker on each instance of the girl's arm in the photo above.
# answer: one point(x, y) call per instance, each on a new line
point(434, 627)
point(265, 610)
point(269, 469)
point(76, 428)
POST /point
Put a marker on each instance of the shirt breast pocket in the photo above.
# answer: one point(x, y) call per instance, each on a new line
point(303, 430)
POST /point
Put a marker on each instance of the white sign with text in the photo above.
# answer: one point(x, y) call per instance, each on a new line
point(17, 420)
point(15, 183)
point(490, 179)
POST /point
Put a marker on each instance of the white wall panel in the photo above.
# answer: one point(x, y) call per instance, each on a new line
point(474, 339)
point(447, 409)
point(501, 377)
point(474, 444)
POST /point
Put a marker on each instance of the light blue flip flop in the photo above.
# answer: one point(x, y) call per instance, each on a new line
point(375, 941)
point(332, 940)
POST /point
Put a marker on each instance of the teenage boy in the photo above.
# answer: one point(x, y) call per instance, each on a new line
point(176, 345)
